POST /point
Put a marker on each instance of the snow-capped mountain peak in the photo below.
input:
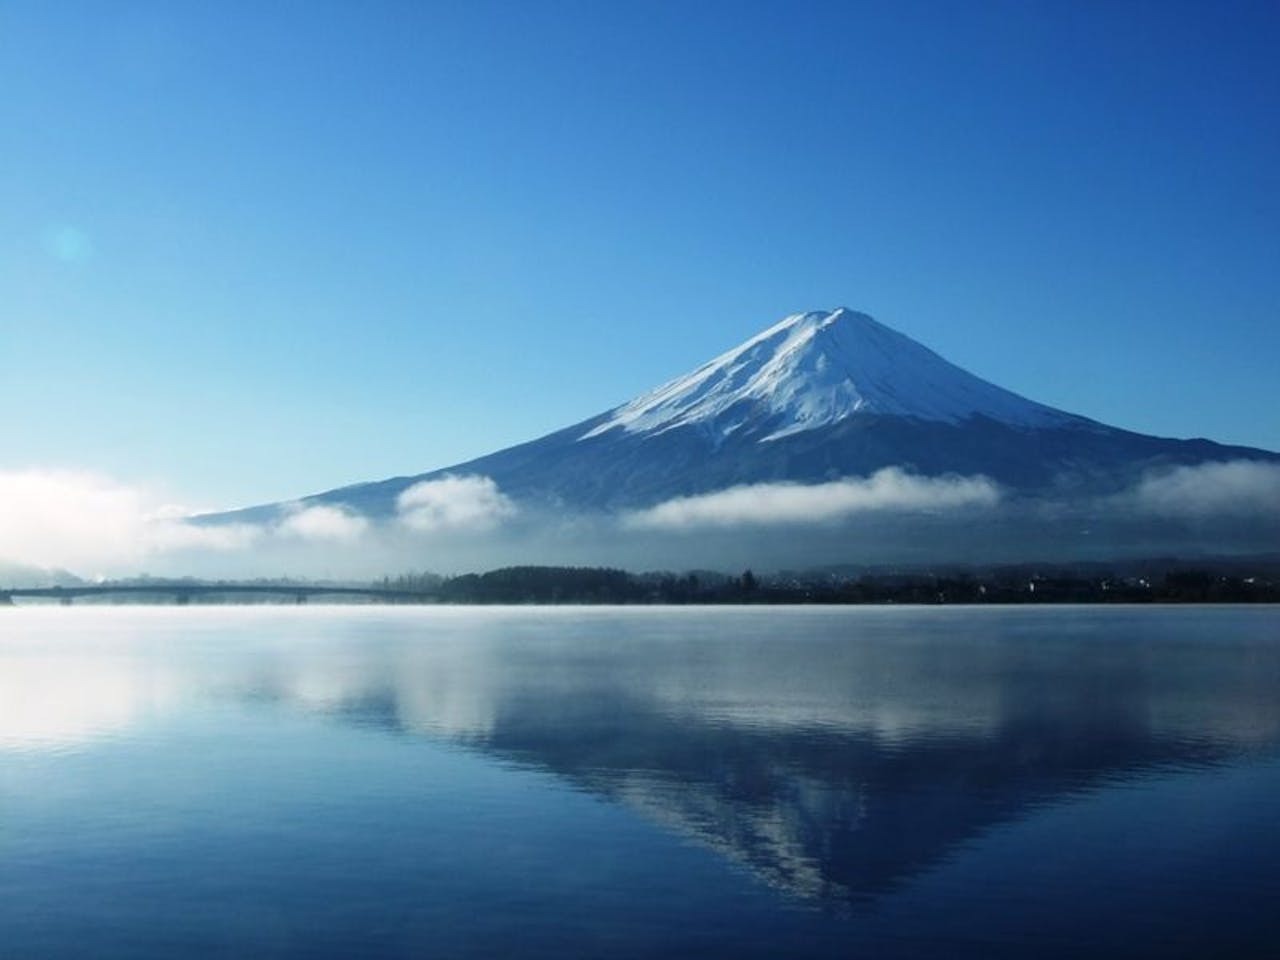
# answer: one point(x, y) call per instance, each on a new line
point(814, 399)
point(813, 369)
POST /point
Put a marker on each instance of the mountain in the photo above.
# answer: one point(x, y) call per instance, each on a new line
point(22, 576)
point(816, 397)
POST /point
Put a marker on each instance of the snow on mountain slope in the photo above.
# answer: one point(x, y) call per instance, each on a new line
point(815, 369)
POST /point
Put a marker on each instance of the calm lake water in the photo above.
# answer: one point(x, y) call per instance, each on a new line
point(523, 782)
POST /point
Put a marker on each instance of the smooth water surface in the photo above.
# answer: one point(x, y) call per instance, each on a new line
point(751, 782)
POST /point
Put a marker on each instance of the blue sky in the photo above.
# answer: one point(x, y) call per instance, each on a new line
point(251, 251)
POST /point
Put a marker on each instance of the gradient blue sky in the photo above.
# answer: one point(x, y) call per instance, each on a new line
point(254, 250)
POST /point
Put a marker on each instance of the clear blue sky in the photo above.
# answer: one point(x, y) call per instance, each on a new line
point(255, 250)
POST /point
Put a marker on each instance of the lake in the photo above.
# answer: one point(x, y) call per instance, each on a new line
point(639, 782)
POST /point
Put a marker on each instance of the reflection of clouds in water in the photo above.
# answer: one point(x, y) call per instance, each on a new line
point(455, 672)
point(891, 694)
point(325, 685)
point(449, 696)
point(428, 687)
point(49, 703)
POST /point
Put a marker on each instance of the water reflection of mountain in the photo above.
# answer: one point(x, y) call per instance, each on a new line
point(823, 814)
point(835, 768)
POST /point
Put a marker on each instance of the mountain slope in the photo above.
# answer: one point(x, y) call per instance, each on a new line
point(815, 397)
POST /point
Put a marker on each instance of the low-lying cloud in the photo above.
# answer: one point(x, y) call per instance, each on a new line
point(1228, 488)
point(761, 504)
point(92, 524)
point(323, 523)
point(83, 520)
point(454, 503)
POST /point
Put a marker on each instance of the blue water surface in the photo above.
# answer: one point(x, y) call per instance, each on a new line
point(603, 782)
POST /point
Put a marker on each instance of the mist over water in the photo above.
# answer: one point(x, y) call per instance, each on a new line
point(735, 782)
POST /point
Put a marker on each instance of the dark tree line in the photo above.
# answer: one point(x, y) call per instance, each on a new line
point(587, 585)
point(535, 584)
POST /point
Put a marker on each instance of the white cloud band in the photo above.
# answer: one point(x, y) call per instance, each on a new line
point(454, 503)
point(1225, 488)
point(72, 518)
point(759, 504)
point(323, 522)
